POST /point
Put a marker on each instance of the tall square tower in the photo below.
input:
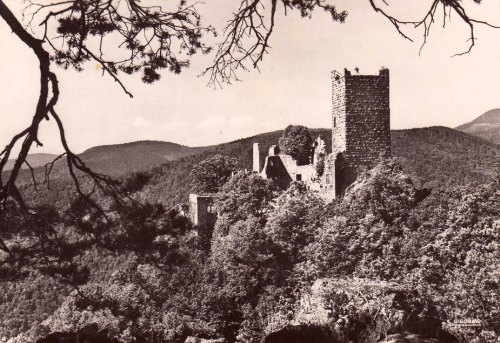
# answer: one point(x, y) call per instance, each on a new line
point(360, 118)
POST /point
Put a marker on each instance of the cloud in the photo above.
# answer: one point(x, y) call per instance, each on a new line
point(140, 121)
point(216, 129)
point(226, 125)
point(213, 124)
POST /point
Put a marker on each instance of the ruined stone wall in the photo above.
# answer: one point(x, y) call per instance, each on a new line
point(328, 180)
point(256, 166)
point(201, 210)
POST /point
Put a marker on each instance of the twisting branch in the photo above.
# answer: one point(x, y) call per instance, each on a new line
point(429, 19)
point(30, 135)
point(108, 70)
point(48, 168)
point(32, 172)
point(149, 34)
point(104, 183)
point(247, 35)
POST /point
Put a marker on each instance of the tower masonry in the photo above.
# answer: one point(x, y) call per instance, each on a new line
point(360, 118)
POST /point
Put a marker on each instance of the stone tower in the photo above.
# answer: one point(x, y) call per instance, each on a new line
point(361, 118)
point(361, 123)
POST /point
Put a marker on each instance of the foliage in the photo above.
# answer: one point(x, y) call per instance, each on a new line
point(73, 33)
point(209, 175)
point(296, 141)
point(136, 181)
point(384, 192)
point(246, 194)
point(243, 196)
point(245, 259)
point(293, 223)
point(167, 264)
point(439, 157)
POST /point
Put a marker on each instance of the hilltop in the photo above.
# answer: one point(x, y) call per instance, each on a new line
point(486, 126)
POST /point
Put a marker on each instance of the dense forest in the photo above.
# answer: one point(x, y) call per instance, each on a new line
point(412, 247)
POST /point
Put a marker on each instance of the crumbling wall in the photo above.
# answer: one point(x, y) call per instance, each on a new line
point(328, 179)
point(275, 169)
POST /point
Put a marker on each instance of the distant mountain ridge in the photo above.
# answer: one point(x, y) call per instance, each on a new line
point(118, 159)
point(486, 126)
point(35, 160)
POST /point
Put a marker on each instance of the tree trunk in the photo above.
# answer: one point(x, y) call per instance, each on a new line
point(31, 132)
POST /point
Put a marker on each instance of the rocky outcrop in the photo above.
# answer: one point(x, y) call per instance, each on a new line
point(302, 333)
point(360, 311)
point(88, 334)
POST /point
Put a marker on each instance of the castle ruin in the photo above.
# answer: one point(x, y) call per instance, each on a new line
point(360, 136)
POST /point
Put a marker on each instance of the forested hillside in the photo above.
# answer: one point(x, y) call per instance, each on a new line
point(435, 157)
point(438, 157)
point(152, 261)
point(387, 259)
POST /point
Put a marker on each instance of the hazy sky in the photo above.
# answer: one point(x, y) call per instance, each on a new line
point(293, 86)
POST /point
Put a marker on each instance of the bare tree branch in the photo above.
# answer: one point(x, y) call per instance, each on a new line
point(429, 19)
point(247, 36)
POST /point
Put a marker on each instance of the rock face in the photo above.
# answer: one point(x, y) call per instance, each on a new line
point(360, 311)
point(89, 334)
point(408, 338)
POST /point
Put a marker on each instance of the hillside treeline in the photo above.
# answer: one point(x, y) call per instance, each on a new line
point(435, 157)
